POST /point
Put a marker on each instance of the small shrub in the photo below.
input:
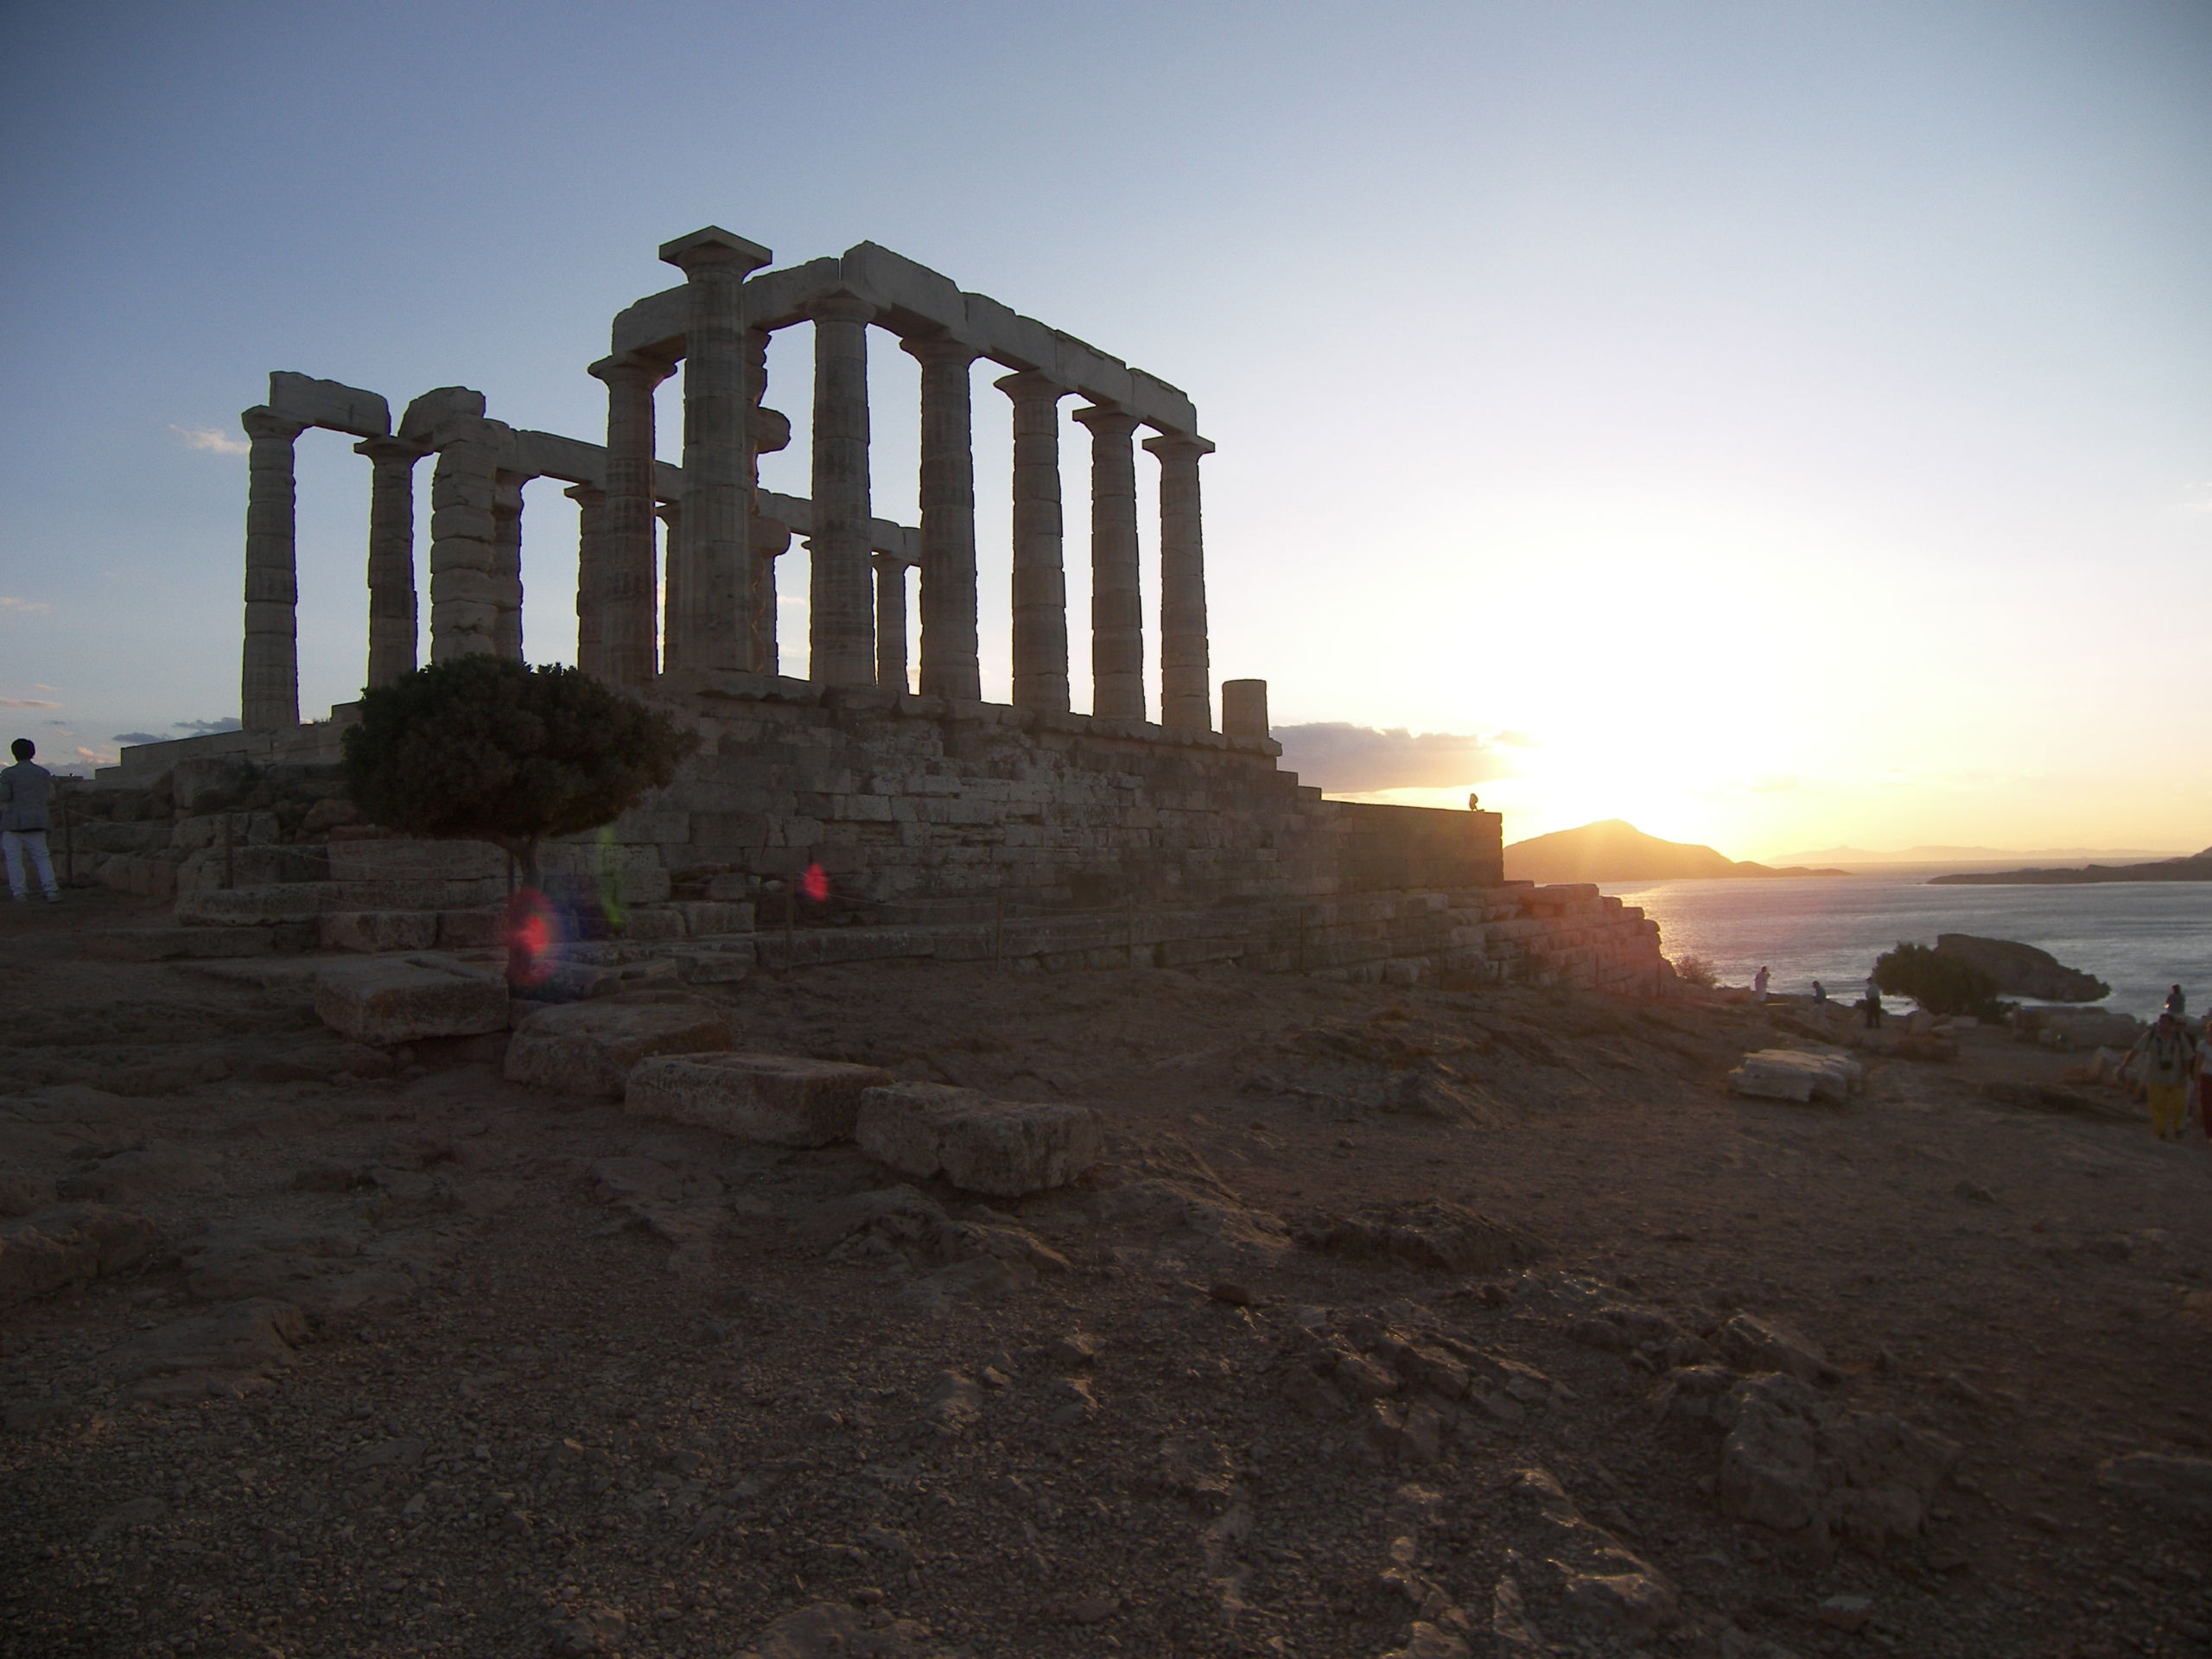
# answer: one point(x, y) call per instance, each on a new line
point(1940, 983)
point(1696, 971)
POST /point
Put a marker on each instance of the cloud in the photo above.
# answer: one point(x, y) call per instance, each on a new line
point(26, 702)
point(95, 757)
point(210, 440)
point(136, 737)
point(1345, 759)
point(227, 723)
point(1516, 739)
point(21, 606)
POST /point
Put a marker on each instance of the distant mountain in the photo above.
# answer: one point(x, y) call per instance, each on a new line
point(2195, 868)
point(1618, 851)
point(1970, 854)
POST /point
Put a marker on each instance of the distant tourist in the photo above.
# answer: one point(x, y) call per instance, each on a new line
point(2169, 1054)
point(23, 790)
point(1820, 994)
point(1874, 1003)
point(2204, 1078)
point(1758, 986)
point(2176, 1004)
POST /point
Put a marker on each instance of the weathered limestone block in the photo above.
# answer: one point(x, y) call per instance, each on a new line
point(293, 902)
point(377, 930)
point(397, 1002)
point(417, 860)
point(1795, 1074)
point(165, 944)
point(590, 1048)
point(782, 1099)
point(1001, 1146)
point(703, 917)
point(70, 1245)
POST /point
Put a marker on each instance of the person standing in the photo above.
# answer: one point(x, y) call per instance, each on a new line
point(1759, 987)
point(2176, 1004)
point(2169, 1054)
point(1873, 1004)
point(2204, 1078)
point(1820, 994)
point(24, 790)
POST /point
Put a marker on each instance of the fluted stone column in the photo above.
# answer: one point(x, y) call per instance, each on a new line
point(948, 503)
point(625, 598)
point(1186, 669)
point(464, 587)
point(1040, 584)
point(1116, 597)
point(772, 539)
point(891, 624)
point(268, 658)
point(591, 575)
point(506, 564)
point(673, 578)
point(395, 616)
point(841, 628)
point(712, 629)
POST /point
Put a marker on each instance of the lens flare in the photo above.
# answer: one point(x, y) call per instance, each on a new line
point(815, 883)
point(534, 932)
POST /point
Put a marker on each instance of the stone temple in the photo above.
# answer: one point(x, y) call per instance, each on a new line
point(1145, 832)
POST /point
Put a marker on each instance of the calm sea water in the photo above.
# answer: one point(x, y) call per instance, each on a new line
point(2139, 937)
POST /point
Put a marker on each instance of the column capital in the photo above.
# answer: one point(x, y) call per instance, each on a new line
point(1028, 386)
point(262, 422)
point(1106, 420)
point(842, 307)
point(386, 451)
point(1179, 444)
point(633, 367)
point(883, 559)
point(939, 350)
point(712, 248)
point(585, 493)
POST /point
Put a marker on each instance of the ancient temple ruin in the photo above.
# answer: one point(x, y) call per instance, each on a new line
point(913, 803)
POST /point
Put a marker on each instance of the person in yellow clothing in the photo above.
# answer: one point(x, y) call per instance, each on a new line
point(2168, 1056)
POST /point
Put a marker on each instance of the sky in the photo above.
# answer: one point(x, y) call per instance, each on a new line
point(1782, 426)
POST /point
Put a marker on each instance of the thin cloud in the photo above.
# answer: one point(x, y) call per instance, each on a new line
point(210, 440)
point(95, 757)
point(227, 723)
point(26, 702)
point(135, 737)
point(22, 606)
point(1347, 760)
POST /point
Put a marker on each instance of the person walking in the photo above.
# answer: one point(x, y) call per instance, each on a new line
point(24, 789)
point(2168, 1053)
point(1873, 1004)
point(1758, 986)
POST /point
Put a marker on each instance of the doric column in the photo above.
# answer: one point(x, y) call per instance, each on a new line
point(772, 539)
point(465, 588)
point(394, 616)
point(948, 502)
point(507, 563)
point(673, 576)
point(1040, 585)
point(717, 552)
point(841, 625)
point(1186, 668)
point(591, 577)
point(625, 598)
point(1116, 598)
point(891, 624)
point(269, 659)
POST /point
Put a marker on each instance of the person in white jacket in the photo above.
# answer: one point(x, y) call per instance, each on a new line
point(25, 788)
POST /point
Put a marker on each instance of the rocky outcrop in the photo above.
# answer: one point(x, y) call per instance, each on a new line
point(2023, 970)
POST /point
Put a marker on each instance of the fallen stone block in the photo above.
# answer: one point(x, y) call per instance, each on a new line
point(587, 1048)
point(377, 930)
point(785, 1100)
point(1001, 1147)
point(2183, 1483)
point(247, 1336)
point(289, 901)
point(70, 1245)
point(397, 1002)
point(703, 917)
point(417, 860)
point(1796, 1074)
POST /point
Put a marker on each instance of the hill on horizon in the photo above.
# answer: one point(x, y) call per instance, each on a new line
point(1616, 851)
point(1935, 854)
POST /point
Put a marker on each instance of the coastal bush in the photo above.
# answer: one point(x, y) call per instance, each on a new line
point(1696, 971)
point(481, 749)
point(1939, 982)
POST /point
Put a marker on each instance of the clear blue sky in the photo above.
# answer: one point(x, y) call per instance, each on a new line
point(1780, 424)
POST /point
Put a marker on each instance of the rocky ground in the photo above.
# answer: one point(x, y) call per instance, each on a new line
point(1397, 1322)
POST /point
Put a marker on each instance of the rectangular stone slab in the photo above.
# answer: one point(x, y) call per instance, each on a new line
point(1005, 1147)
point(387, 1002)
point(590, 1048)
point(785, 1100)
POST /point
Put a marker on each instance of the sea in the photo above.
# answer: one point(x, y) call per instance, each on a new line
point(2139, 937)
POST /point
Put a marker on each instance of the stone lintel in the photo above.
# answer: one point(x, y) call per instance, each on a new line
point(330, 404)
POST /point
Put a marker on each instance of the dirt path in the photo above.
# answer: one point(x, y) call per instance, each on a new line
point(1397, 1322)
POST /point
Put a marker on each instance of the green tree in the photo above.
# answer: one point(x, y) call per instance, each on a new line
point(481, 749)
point(1940, 983)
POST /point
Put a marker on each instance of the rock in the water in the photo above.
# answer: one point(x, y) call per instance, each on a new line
point(589, 1048)
point(2023, 970)
point(1796, 1074)
point(73, 1244)
point(785, 1100)
point(2181, 1483)
point(1001, 1146)
point(387, 1002)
